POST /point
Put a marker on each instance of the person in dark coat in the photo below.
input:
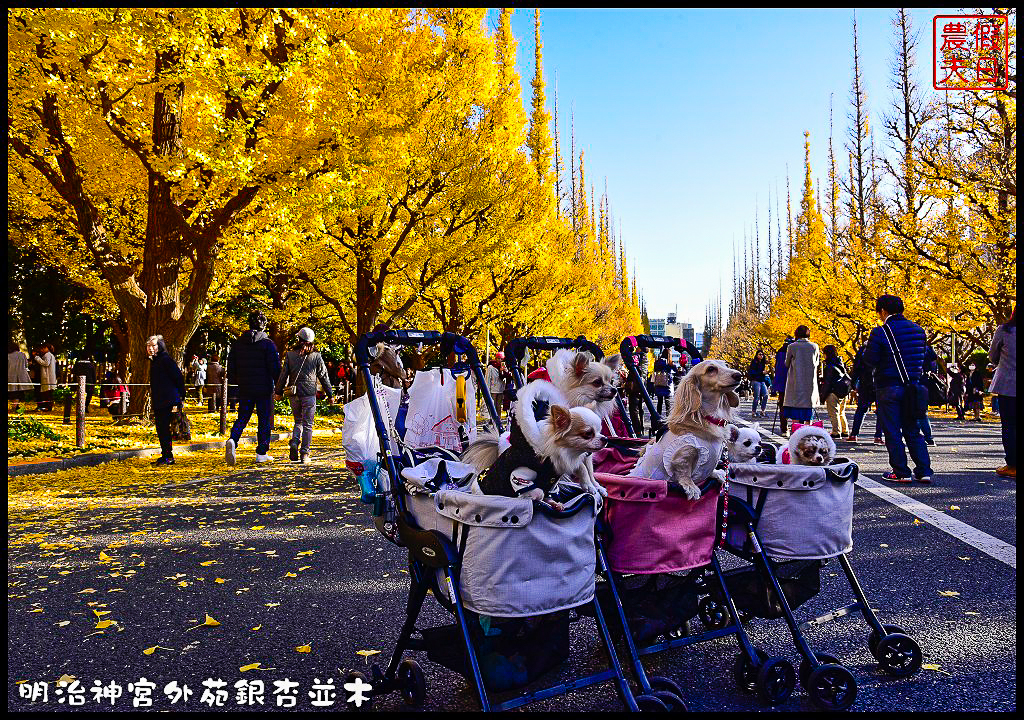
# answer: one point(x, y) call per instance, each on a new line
point(663, 379)
point(912, 346)
point(957, 388)
point(975, 389)
point(864, 384)
point(758, 382)
point(779, 381)
point(253, 365)
point(167, 391)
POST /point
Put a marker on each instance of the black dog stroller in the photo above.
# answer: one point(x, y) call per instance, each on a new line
point(508, 569)
point(788, 521)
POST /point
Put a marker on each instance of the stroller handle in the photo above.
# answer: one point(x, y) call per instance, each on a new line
point(517, 347)
point(631, 344)
point(448, 341)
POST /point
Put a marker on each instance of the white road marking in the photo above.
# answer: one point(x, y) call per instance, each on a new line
point(991, 546)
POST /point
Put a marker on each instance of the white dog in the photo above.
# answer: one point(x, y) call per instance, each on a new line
point(743, 443)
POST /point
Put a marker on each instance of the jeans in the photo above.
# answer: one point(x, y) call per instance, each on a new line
point(863, 405)
point(303, 410)
point(163, 430)
point(760, 392)
point(1008, 421)
point(662, 400)
point(264, 407)
point(896, 430)
point(926, 428)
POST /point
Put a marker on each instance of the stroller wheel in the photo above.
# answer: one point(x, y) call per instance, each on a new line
point(745, 672)
point(806, 669)
point(650, 703)
point(712, 613)
point(351, 677)
point(681, 631)
point(832, 687)
point(775, 681)
point(874, 637)
point(413, 683)
point(673, 702)
point(666, 684)
point(899, 655)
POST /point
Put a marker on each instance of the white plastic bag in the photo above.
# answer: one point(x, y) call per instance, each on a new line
point(431, 419)
point(359, 437)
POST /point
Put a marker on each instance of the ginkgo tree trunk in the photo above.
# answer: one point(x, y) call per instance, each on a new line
point(153, 136)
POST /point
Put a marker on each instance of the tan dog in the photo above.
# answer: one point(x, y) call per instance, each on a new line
point(702, 408)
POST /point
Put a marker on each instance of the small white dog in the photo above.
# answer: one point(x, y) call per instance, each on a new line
point(809, 445)
point(743, 443)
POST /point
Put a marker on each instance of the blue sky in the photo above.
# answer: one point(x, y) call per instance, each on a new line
point(693, 116)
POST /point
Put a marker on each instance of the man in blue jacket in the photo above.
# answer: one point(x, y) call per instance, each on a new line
point(253, 366)
point(889, 389)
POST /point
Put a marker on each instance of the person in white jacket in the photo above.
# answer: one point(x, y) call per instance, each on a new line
point(47, 376)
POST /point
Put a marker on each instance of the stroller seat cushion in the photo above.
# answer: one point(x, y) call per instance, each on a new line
point(633, 489)
point(436, 474)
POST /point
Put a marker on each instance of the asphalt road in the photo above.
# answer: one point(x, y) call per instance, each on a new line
point(288, 558)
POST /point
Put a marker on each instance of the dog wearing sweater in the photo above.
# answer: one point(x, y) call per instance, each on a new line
point(688, 453)
point(548, 442)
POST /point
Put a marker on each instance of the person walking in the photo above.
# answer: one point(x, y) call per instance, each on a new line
point(835, 386)
point(779, 382)
point(632, 388)
point(758, 383)
point(1003, 354)
point(663, 379)
point(864, 384)
point(254, 365)
point(802, 360)
point(18, 380)
point(931, 367)
point(83, 366)
point(957, 390)
point(303, 366)
point(214, 390)
point(975, 389)
point(47, 365)
point(495, 378)
point(896, 351)
point(167, 391)
point(199, 370)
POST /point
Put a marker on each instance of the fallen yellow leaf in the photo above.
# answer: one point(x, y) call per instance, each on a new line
point(303, 649)
point(104, 624)
point(207, 563)
point(367, 653)
point(949, 593)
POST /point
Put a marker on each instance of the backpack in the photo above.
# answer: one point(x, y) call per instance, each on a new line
point(841, 387)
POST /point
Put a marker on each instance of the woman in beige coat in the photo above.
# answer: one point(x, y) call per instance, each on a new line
point(802, 360)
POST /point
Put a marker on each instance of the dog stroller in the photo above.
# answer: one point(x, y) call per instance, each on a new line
point(649, 530)
point(509, 570)
point(787, 521)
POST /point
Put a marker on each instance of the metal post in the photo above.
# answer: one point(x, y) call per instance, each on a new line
point(80, 414)
point(124, 403)
point(224, 402)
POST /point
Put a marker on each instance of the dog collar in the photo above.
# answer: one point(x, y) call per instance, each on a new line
point(715, 421)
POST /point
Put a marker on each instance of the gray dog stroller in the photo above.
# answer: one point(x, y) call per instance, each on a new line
point(788, 521)
point(508, 569)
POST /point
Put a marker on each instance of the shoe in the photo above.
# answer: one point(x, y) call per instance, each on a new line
point(925, 479)
point(293, 453)
point(305, 459)
point(264, 459)
point(851, 439)
point(879, 441)
point(835, 437)
point(893, 477)
point(1007, 471)
point(229, 451)
point(164, 461)
point(930, 443)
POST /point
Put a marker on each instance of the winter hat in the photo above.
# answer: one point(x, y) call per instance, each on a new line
point(306, 335)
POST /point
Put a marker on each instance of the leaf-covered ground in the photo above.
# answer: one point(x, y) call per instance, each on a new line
point(102, 435)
